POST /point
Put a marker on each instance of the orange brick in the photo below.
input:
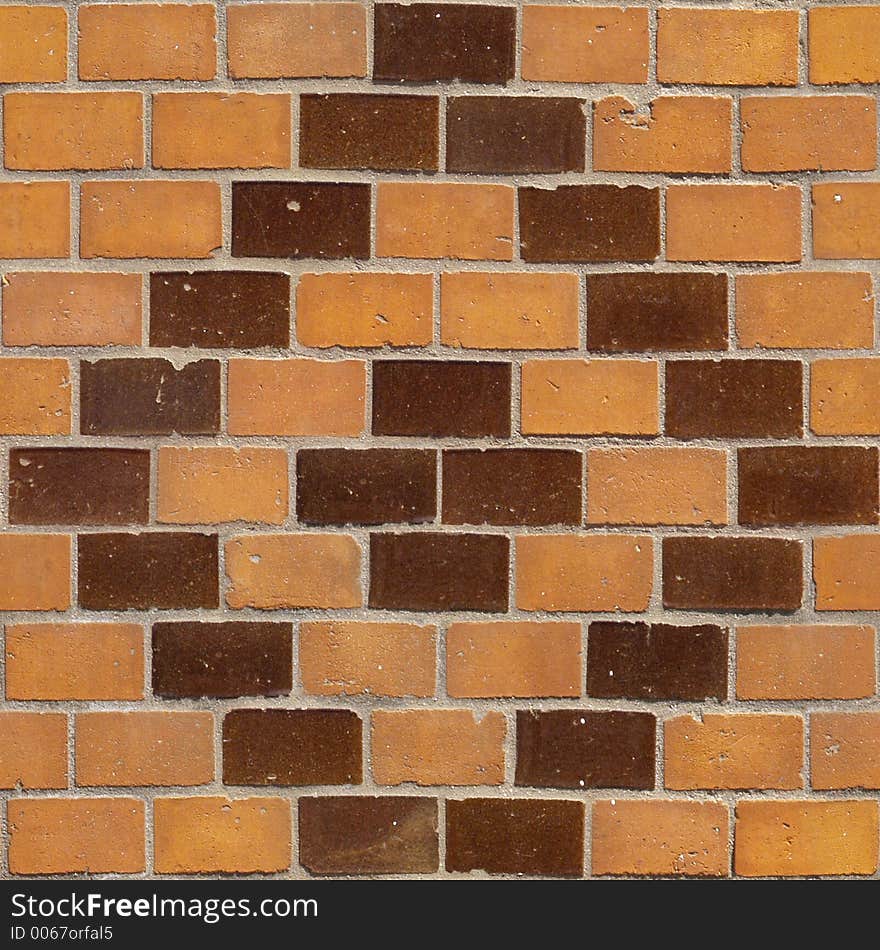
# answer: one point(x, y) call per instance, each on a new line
point(846, 220)
point(445, 220)
point(155, 219)
point(590, 397)
point(270, 571)
point(805, 662)
point(147, 41)
point(680, 838)
point(34, 219)
point(584, 44)
point(34, 396)
point(661, 136)
point(844, 44)
point(733, 223)
point(846, 572)
point(98, 661)
point(807, 309)
point(33, 750)
point(76, 836)
point(297, 397)
point(728, 47)
point(845, 750)
point(33, 44)
point(533, 311)
point(34, 571)
point(438, 747)
point(367, 310)
point(805, 838)
point(845, 397)
point(584, 573)
point(518, 658)
point(656, 486)
point(347, 658)
point(734, 751)
point(214, 835)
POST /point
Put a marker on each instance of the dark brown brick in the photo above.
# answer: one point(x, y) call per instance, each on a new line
point(220, 309)
point(79, 486)
point(577, 748)
point(323, 220)
point(382, 133)
point(292, 747)
point(498, 135)
point(429, 571)
point(733, 399)
point(515, 836)
point(762, 574)
point(433, 398)
point(801, 484)
point(192, 659)
point(512, 486)
point(374, 486)
point(356, 834)
point(656, 661)
point(149, 397)
point(589, 223)
point(424, 42)
point(646, 313)
point(167, 570)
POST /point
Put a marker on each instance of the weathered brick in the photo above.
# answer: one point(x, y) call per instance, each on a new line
point(845, 220)
point(34, 219)
point(35, 571)
point(844, 44)
point(846, 572)
point(33, 44)
point(33, 750)
point(844, 750)
point(845, 397)
point(34, 396)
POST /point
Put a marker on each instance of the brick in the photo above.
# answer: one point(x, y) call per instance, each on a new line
point(587, 223)
point(846, 572)
point(844, 45)
point(272, 571)
point(294, 40)
point(660, 838)
point(298, 220)
point(734, 751)
point(358, 834)
point(590, 397)
point(214, 835)
point(805, 310)
point(734, 399)
point(292, 747)
point(493, 135)
point(34, 396)
point(656, 661)
point(147, 41)
point(441, 399)
point(149, 397)
point(79, 486)
point(349, 658)
point(430, 571)
point(656, 486)
point(437, 747)
point(733, 223)
point(577, 748)
point(659, 137)
point(296, 397)
point(193, 659)
point(34, 571)
point(727, 573)
point(364, 310)
point(513, 658)
point(33, 750)
point(728, 47)
point(592, 572)
point(167, 570)
point(584, 44)
point(371, 486)
point(34, 219)
point(217, 484)
point(805, 838)
point(33, 44)
point(540, 837)
point(376, 132)
point(155, 219)
point(76, 835)
point(845, 215)
point(51, 308)
point(144, 748)
point(221, 130)
point(445, 220)
point(85, 661)
point(845, 397)
point(427, 42)
point(844, 750)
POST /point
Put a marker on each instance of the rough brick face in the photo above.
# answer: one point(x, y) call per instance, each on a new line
point(33, 44)
point(34, 219)
point(34, 396)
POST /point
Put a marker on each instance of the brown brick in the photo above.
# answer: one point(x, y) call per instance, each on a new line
point(34, 396)
point(845, 397)
point(845, 750)
point(34, 571)
point(844, 44)
point(845, 220)
point(33, 44)
point(33, 750)
point(34, 219)
point(846, 572)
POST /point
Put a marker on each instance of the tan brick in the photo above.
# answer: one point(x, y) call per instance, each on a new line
point(846, 572)
point(34, 571)
point(34, 396)
point(34, 219)
point(845, 397)
point(846, 220)
point(33, 750)
point(844, 44)
point(845, 750)
point(33, 44)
